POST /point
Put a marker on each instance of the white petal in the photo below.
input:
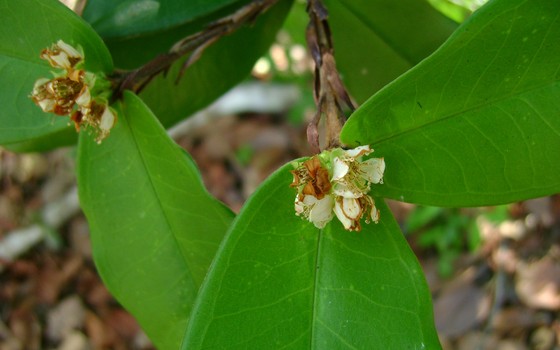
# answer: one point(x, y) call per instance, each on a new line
point(61, 60)
point(40, 82)
point(47, 105)
point(351, 208)
point(309, 200)
point(69, 50)
point(347, 223)
point(372, 170)
point(322, 212)
point(340, 169)
point(359, 151)
point(299, 206)
point(85, 98)
point(107, 119)
point(374, 214)
point(343, 190)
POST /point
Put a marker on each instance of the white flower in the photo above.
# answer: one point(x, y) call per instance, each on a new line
point(349, 212)
point(39, 85)
point(62, 55)
point(372, 170)
point(352, 176)
point(47, 105)
point(68, 50)
point(358, 151)
point(107, 120)
point(42, 96)
point(337, 182)
point(317, 211)
point(75, 93)
point(84, 98)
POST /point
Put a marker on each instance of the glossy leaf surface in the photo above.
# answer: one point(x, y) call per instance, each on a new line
point(154, 228)
point(20, 65)
point(136, 17)
point(221, 66)
point(280, 283)
point(477, 123)
point(375, 41)
point(133, 52)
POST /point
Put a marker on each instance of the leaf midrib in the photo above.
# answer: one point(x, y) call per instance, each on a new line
point(315, 288)
point(166, 218)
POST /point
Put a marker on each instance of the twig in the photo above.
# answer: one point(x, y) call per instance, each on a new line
point(192, 46)
point(330, 94)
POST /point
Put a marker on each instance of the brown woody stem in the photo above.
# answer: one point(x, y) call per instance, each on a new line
point(191, 46)
point(330, 94)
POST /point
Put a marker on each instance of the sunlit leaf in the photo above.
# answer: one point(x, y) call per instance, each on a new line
point(26, 28)
point(136, 17)
point(279, 282)
point(131, 52)
point(154, 228)
point(377, 40)
point(221, 66)
point(478, 122)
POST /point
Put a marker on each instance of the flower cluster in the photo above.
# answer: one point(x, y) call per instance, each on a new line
point(74, 92)
point(337, 182)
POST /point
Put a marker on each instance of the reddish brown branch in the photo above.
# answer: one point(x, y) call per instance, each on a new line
point(192, 47)
point(330, 94)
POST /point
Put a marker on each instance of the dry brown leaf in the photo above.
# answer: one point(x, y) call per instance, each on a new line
point(538, 283)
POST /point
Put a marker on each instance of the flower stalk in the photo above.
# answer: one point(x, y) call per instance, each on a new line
point(330, 94)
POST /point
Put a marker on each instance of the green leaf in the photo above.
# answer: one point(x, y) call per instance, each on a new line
point(421, 217)
point(114, 19)
point(154, 228)
point(28, 27)
point(221, 66)
point(279, 283)
point(456, 11)
point(478, 122)
point(375, 41)
point(60, 138)
point(131, 52)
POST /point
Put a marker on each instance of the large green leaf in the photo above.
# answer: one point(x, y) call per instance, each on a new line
point(221, 66)
point(26, 28)
point(478, 122)
point(154, 228)
point(375, 41)
point(280, 283)
point(114, 19)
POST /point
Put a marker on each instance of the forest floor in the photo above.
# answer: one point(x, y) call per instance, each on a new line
point(505, 294)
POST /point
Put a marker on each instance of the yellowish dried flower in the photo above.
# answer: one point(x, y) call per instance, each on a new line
point(336, 183)
point(74, 92)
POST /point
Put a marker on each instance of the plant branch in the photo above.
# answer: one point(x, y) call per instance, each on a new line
point(330, 94)
point(192, 46)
